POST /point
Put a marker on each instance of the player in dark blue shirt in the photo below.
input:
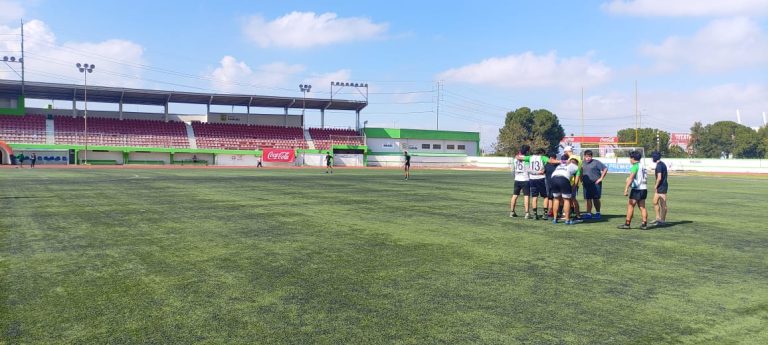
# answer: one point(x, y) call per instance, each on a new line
point(660, 198)
point(328, 162)
point(549, 168)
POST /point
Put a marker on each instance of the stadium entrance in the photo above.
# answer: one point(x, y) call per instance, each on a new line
point(5, 153)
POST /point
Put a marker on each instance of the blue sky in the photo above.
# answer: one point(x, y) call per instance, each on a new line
point(692, 60)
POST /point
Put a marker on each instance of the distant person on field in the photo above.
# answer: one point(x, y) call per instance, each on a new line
point(407, 166)
point(328, 162)
point(194, 158)
point(33, 159)
point(520, 171)
point(593, 174)
point(637, 190)
point(258, 163)
point(661, 187)
point(20, 157)
point(537, 180)
point(562, 188)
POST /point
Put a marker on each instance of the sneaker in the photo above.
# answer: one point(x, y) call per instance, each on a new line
point(643, 226)
point(536, 216)
point(623, 227)
point(512, 214)
point(527, 215)
point(554, 221)
point(545, 217)
point(660, 223)
point(596, 216)
point(569, 222)
point(586, 216)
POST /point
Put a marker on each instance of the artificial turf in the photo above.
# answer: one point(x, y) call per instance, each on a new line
point(361, 257)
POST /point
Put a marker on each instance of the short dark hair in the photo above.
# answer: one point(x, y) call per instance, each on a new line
point(540, 151)
point(524, 149)
point(656, 155)
point(552, 155)
point(588, 152)
point(636, 155)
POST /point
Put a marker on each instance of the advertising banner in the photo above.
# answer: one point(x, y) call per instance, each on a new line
point(279, 155)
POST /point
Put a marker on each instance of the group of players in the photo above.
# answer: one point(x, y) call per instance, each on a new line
point(557, 181)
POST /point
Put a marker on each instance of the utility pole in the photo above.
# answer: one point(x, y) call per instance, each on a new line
point(437, 114)
point(23, 96)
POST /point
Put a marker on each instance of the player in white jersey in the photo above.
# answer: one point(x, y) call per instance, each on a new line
point(536, 175)
point(520, 171)
point(562, 189)
point(638, 182)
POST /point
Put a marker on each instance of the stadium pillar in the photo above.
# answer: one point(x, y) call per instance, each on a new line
point(166, 111)
point(285, 118)
point(322, 118)
point(121, 110)
point(74, 104)
point(357, 120)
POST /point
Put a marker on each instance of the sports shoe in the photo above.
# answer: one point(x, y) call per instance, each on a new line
point(657, 222)
point(643, 226)
point(596, 216)
point(624, 227)
point(512, 214)
point(536, 216)
point(554, 221)
point(586, 216)
point(545, 217)
point(527, 216)
point(569, 222)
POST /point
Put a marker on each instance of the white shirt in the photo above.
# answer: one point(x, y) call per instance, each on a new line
point(536, 165)
point(520, 169)
point(566, 170)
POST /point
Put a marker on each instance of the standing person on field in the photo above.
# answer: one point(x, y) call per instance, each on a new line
point(637, 190)
point(328, 162)
point(407, 165)
point(537, 183)
point(592, 175)
point(520, 171)
point(562, 189)
point(575, 180)
point(661, 187)
point(33, 159)
point(549, 168)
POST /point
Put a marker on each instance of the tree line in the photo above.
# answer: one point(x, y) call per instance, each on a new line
point(541, 128)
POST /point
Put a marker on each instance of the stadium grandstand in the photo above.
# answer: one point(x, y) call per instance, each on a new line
point(121, 132)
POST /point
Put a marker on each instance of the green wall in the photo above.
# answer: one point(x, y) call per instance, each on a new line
point(18, 111)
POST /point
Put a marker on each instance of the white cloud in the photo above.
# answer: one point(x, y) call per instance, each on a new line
point(307, 29)
point(673, 111)
point(687, 7)
point(720, 45)
point(530, 70)
point(10, 11)
point(235, 76)
point(117, 61)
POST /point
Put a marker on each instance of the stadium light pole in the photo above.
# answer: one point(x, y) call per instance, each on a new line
point(13, 59)
point(304, 89)
point(85, 69)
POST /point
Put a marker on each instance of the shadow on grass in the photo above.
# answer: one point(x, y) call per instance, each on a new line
point(25, 197)
point(672, 224)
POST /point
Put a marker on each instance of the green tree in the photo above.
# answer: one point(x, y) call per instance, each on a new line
point(695, 141)
point(646, 138)
point(763, 134)
point(728, 137)
point(537, 128)
point(676, 151)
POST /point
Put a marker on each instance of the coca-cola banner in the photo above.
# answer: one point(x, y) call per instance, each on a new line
point(278, 155)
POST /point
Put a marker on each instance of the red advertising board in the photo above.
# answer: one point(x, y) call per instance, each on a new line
point(278, 155)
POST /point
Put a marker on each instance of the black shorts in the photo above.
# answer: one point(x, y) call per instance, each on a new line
point(407, 165)
point(538, 188)
point(561, 187)
point(548, 182)
point(638, 194)
point(328, 164)
point(522, 186)
point(662, 189)
point(593, 191)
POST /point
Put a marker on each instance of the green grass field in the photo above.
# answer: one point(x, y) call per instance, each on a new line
point(362, 257)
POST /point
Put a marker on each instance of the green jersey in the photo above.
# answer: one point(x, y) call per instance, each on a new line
point(641, 177)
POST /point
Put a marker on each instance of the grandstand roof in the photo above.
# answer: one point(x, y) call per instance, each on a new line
point(106, 94)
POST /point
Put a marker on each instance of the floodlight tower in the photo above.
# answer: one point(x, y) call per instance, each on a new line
point(358, 87)
point(85, 69)
point(304, 89)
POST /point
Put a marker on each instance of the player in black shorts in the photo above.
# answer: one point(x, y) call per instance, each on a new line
point(328, 162)
point(549, 168)
point(407, 165)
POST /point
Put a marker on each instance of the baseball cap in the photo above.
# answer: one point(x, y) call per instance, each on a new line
point(568, 148)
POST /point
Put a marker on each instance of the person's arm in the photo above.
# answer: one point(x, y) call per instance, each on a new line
point(658, 182)
point(602, 175)
point(632, 172)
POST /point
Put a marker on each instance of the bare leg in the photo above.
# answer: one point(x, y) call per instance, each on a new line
point(656, 206)
point(526, 204)
point(513, 203)
point(589, 205)
point(663, 207)
point(555, 206)
point(643, 210)
point(597, 205)
point(567, 210)
point(630, 210)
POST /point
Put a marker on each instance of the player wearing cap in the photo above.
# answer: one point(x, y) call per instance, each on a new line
point(562, 189)
point(575, 180)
